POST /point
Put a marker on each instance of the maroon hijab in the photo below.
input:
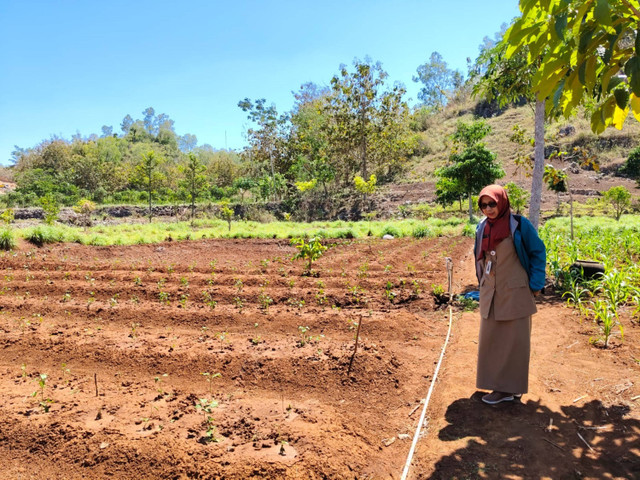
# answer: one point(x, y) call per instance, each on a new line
point(499, 228)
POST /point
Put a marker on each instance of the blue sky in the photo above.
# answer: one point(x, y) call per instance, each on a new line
point(74, 66)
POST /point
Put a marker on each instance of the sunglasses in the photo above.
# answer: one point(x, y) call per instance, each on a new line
point(490, 205)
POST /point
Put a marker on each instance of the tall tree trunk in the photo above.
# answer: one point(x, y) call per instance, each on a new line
point(538, 165)
point(470, 208)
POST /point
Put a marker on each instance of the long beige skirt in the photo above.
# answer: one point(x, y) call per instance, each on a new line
point(504, 348)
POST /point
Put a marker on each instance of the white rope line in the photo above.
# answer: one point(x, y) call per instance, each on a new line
point(407, 465)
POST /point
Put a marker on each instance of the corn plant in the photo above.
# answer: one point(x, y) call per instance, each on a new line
point(606, 317)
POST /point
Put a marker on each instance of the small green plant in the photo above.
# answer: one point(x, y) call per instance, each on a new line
point(606, 318)
point(134, 330)
point(304, 337)
point(137, 282)
point(256, 339)
point(7, 240)
point(158, 381)
point(309, 251)
point(206, 407)
point(45, 403)
point(7, 216)
point(208, 299)
point(226, 213)
point(50, 207)
point(223, 337)
point(209, 378)
point(238, 303)
point(164, 297)
point(184, 282)
point(467, 304)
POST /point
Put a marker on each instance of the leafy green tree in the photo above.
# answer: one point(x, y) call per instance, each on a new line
point(586, 50)
point(368, 127)
point(473, 167)
point(556, 180)
point(308, 143)
point(148, 176)
point(365, 187)
point(619, 198)
point(266, 142)
point(449, 190)
point(505, 75)
point(438, 81)
point(50, 207)
point(194, 181)
point(632, 166)
point(518, 197)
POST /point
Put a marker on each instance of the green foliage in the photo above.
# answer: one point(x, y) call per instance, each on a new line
point(367, 128)
point(194, 181)
point(311, 250)
point(556, 180)
point(147, 174)
point(632, 166)
point(581, 49)
point(226, 213)
point(421, 232)
point(41, 235)
point(7, 217)
point(470, 170)
point(365, 187)
point(518, 197)
point(619, 198)
point(7, 240)
point(438, 82)
point(50, 207)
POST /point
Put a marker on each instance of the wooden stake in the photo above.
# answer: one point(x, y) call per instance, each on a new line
point(355, 349)
point(95, 381)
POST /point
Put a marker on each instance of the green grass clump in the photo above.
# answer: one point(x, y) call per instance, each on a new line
point(421, 232)
point(41, 235)
point(7, 240)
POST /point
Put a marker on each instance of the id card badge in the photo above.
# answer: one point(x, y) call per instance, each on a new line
point(487, 269)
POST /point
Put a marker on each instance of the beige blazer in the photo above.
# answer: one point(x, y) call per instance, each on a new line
point(505, 284)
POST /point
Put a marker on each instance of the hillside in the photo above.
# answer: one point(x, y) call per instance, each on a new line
point(611, 149)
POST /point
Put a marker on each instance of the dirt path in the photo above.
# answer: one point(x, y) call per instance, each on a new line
point(132, 339)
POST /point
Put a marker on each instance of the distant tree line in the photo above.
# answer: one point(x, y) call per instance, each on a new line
point(358, 126)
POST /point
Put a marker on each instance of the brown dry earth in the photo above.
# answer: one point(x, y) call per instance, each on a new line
point(125, 335)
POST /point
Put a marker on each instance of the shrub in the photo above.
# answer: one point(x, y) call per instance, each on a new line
point(41, 235)
point(344, 233)
point(469, 230)
point(7, 241)
point(421, 232)
point(632, 165)
point(390, 230)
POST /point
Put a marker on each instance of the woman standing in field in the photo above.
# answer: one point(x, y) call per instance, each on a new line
point(510, 266)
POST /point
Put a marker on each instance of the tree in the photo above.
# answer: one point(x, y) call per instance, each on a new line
point(473, 168)
point(556, 180)
point(194, 181)
point(620, 198)
point(507, 76)
point(368, 128)
point(632, 166)
point(147, 174)
point(438, 81)
point(583, 50)
point(266, 141)
point(518, 197)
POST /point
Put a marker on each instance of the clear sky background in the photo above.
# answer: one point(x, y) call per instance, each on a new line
point(70, 67)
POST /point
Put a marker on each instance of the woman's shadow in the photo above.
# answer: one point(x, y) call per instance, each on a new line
point(527, 440)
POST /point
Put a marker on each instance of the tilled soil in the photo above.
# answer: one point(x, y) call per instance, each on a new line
point(225, 359)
